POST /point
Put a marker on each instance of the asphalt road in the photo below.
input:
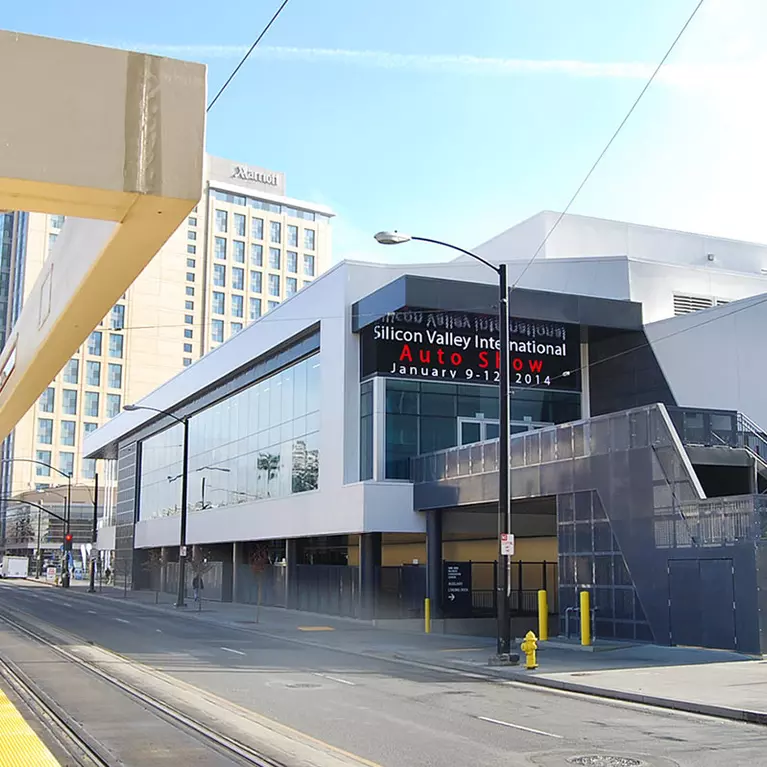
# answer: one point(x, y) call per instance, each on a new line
point(392, 714)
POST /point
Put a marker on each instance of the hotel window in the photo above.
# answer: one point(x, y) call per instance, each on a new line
point(187, 362)
point(190, 276)
point(238, 251)
point(189, 306)
point(67, 462)
point(256, 282)
point(275, 231)
point(190, 291)
point(308, 265)
point(93, 373)
point(94, 343)
point(292, 259)
point(91, 404)
point(257, 228)
point(89, 427)
point(236, 327)
point(89, 468)
point(292, 236)
point(272, 305)
point(291, 286)
point(256, 255)
point(221, 221)
point(118, 317)
point(188, 319)
point(309, 239)
point(44, 456)
point(219, 275)
point(192, 235)
point(192, 249)
point(192, 221)
point(115, 345)
point(239, 224)
point(72, 372)
point(274, 285)
point(45, 431)
point(237, 304)
point(69, 402)
point(218, 303)
point(238, 278)
point(190, 263)
point(255, 308)
point(188, 333)
point(114, 375)
point(67, 433)
point(219, 248)
point(48, 400)
point(187, 348)
point(274, 258)
point(113, 405)
point(52, 241)
point(217, 330)
point(57, 222)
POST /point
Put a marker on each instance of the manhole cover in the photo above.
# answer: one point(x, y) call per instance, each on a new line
point(604, 760)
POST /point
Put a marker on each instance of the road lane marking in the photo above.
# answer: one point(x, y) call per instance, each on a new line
point(315, 628)
point(337, 679)
point(122, 620)
point(229, 649)
point(159, 631)
point(92, 612)
point(519, 727)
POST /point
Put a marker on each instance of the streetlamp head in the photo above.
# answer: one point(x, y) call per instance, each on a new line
point(392, 238)
point(131, 408)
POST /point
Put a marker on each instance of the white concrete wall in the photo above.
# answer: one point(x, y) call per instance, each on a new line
point(716, 358)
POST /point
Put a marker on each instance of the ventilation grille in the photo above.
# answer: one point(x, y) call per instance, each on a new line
point(689, 304)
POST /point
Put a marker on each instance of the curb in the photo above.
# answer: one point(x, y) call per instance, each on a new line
point(605, 693)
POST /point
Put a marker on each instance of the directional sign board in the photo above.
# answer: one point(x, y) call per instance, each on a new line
point(507, 544)
point(457, 585)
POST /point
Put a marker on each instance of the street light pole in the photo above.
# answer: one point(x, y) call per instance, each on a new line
point(184, 495)
point(503, 639)
point(94, 534)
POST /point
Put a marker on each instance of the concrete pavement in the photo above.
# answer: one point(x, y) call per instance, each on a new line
point(710, 682)
point(340, 682)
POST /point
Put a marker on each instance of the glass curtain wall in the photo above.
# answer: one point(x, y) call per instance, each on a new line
point(422, 417)
point(262, 442)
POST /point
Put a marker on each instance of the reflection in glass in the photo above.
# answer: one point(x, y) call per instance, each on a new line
point(262, 442)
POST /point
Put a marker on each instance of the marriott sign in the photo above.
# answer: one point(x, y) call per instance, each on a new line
point(244, 173)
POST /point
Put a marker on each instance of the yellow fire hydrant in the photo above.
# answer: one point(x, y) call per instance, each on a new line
point(530, 649)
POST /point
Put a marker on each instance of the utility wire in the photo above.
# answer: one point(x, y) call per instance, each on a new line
point(245, 57)
point(610, 142)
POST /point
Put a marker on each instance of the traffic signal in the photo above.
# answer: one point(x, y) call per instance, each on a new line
point(68, 542)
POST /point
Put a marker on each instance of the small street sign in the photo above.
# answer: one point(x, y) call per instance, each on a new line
point(507, 544)
point(182, 551)
point(457, 585)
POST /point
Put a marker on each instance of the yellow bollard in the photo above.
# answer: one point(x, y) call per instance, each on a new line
point(585, 618)
point(529, 647)
point(427, 615)
point(543, 615)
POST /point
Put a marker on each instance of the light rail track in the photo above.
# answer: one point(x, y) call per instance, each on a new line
point(75, 741)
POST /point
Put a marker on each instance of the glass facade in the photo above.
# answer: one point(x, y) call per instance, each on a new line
point(422, 416)
point(262, 442)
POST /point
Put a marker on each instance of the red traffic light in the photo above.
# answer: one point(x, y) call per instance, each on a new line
point(68, 537)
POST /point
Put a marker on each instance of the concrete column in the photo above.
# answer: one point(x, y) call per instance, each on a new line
point(370, 561)
point(236, 561)
point(291, 584)
point(434, 561)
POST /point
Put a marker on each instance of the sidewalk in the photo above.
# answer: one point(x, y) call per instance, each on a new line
point(714, 682)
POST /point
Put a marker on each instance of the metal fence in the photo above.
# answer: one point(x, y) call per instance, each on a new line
point(329, 589)
point(401, 591)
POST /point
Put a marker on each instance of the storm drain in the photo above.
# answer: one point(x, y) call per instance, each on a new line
point(605, 760)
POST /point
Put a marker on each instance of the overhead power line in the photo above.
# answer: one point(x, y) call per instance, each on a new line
point(245, 57)
point(611, 141)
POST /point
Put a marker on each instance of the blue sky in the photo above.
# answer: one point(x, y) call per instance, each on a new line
point(455, 120)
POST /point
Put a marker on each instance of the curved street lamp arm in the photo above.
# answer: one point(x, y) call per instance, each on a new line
point(460, 250)
point(32, 503)
point(39, 463)
point(133, 408)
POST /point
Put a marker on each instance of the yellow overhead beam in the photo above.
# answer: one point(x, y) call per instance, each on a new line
point(117, 145)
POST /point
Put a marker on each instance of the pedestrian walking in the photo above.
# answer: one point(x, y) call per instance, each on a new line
point(197, 587)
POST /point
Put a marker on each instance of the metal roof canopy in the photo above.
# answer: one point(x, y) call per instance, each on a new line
point(117, 147)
